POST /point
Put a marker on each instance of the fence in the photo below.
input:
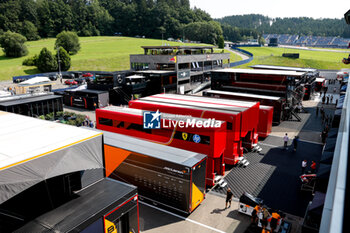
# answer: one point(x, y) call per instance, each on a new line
point(238, 63)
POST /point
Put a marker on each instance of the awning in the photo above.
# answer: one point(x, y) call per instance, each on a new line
point(33, 150)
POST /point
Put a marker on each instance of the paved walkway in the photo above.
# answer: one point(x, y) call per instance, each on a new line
point(211, 216)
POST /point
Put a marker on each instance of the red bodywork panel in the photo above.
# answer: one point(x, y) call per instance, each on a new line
point(249, 110)
point(265, 121)
point(233, 141)
point(167, 136)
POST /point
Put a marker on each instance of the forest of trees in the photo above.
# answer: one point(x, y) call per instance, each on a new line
point(36, 19)
point(149, 18)
point(298, 26)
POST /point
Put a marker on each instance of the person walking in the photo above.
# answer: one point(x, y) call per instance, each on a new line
point(331, 99)
point(324, 99)
point(295, 143)
point(303, 166)
point(317, 111)
point(324, 136)
point(313, 167)
point(334, 89)
point(285, 140)
point(327, 99)
point(265, 216)
point(229, 196)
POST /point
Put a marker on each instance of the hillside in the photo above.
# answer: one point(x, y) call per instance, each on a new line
point(97, 53)
point(297, 25)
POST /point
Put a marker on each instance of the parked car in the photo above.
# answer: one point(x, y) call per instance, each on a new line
point(88, 75)
point(71, 82)
point(53, 77)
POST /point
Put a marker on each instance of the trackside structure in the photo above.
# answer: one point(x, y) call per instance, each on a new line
point(191, 64)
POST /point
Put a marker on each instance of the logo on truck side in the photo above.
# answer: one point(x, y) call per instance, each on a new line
point(151, 120)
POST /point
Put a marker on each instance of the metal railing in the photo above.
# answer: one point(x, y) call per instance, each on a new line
point(333, 211)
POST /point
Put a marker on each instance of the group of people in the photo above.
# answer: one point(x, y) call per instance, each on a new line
point(259, 210)
point(328, 99)
point(88, 123)
point(304, 166)
point(265, 215)
point(295, 142)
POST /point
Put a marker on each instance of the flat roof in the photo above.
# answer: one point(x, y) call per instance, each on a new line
point(24, 138)
point(261, 71)
point(284, 68)
point(168, 103)
point(139, 112)
point(91, 91)
point(70, 215)
point(135, 76)
point(29, 100)
point(207, 99)
point(155, 150)
point(244, 94)
point(155, 72)
point(212, 106)
point(177, 47)
point(22, 96)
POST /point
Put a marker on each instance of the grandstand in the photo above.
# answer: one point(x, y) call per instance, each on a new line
point(312, 41)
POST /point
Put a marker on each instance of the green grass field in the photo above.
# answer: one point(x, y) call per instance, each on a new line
point(112, 53)
point(314, 59)
point(97, 53)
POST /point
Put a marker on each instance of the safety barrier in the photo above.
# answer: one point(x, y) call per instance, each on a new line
point(238, 63)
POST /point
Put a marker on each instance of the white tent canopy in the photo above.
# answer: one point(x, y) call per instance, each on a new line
point(35, 80)
point(33, 150)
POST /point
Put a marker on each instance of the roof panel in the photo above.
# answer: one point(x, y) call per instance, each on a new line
point(155, 150)
point(29, 100)
point(243, 94)
point(205, 99)
point(211, 106)
point(173, 104)
point(261, 71)
point(24, 138)
point(284, 68)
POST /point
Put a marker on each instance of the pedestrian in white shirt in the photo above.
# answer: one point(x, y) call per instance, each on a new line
point(285, 140)
point(303, 166)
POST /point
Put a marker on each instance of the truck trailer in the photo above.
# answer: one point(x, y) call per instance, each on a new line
point(174, 132)
point(167, 176)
